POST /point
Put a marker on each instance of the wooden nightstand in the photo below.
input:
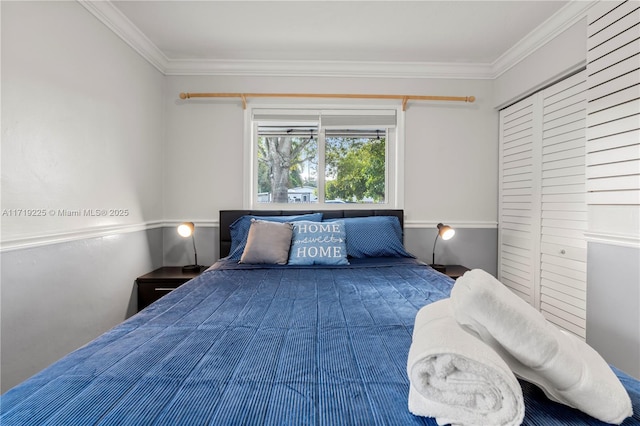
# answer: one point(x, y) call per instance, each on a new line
point(454, 271)
point(155, 284)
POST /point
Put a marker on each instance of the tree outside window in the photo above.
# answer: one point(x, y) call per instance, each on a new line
point(305, 163)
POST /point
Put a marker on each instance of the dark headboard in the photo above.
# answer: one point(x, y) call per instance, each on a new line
point(227, 217)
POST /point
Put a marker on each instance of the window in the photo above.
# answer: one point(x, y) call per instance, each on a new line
point(323, 157)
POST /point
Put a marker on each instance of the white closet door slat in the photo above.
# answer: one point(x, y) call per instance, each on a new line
point(611, 66)
point(567, 326)
point(618, 33)
point(629, 94)
point(617, 62)
point(568, 237)
point(623, 110)
point(612, 127)
point(612, 85)
point(565, 281)
point(631, 197)
point(614, 182)
point(563, 180)
point(564, 301)
point(619, 36)
point(565, 125)
point(614, 141)
point(606, 13)
point(569, 273)
point(568, 215)
point(569, 101)
point(568, 110)
point(566, 171)
point(615, 155)
point(562, 206)
point(519, 129)
point(617, 169)
point(565, 224)
point(562, 235)
point(563, 314)
point(565, 154)
point(577, 133)
point(562, 239)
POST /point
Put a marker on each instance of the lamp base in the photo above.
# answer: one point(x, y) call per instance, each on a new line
point(191, 268)
point(439, 268)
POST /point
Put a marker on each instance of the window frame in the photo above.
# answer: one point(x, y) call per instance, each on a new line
point(394, 146)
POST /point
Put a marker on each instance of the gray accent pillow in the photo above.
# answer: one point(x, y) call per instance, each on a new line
point(268, 242)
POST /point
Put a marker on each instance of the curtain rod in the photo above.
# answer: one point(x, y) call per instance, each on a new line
point(403, 98)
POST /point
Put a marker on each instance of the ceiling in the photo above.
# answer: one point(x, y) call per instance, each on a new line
point(215, 36)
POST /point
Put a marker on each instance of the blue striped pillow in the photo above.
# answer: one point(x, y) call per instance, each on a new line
point(374, 236)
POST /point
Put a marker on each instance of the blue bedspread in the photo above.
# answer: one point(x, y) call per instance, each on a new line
point(246, 345)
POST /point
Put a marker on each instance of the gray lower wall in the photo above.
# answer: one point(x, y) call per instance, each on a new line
point(475, 248)
point(613, 304)
point(178, 251)
point(57, 297)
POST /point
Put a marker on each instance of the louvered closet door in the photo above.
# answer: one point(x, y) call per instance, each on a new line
point(563, 247)
point(519, 206)
point(613, 148)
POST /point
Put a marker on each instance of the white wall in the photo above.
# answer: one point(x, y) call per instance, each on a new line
point(450, 149)
point(82, 126)
point(76, 102)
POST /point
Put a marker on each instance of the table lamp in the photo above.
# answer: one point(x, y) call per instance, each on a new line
point(186, 230)
point(446, 233)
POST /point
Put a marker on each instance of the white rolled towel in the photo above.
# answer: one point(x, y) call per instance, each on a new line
point(567, 369)
point(455, 377)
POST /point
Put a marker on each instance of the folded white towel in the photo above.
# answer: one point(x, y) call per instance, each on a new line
point(457, 378)
point(566, 368)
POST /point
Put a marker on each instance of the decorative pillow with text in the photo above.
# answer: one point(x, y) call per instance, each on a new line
point(318, 243)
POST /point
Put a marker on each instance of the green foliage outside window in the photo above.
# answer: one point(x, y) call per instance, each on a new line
point(355, 168)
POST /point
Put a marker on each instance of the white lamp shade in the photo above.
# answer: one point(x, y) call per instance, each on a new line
point(446, 232)
point(186, 229)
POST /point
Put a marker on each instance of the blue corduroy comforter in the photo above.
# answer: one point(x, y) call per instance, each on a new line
point(260, 345)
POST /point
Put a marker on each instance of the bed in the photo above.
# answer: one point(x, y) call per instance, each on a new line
point(262, 344)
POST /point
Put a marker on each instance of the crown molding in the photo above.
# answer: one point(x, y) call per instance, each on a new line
point(117, 22)
point(566, 17)
point(329, 69)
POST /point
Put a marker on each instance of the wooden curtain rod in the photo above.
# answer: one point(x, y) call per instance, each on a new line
point(403, 98)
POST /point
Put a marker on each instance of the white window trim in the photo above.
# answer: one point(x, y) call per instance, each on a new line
point(395, 169)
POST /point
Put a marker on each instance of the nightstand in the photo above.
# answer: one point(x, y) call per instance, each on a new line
point(455, 271)
point(155, 284)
